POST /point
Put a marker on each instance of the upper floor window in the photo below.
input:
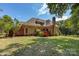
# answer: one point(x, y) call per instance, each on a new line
point(38, 22)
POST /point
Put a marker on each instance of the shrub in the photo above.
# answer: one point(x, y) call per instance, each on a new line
point(39, 33)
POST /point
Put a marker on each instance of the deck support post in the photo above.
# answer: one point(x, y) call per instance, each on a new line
point(24, 31)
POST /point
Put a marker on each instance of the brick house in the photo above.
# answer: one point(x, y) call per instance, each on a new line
point(29, 27)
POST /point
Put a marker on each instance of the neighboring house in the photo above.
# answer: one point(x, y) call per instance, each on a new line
point(30, 27)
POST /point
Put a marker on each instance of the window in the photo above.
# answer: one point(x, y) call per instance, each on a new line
point(38, 22)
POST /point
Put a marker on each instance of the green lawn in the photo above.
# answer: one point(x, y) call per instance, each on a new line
point(40, 46)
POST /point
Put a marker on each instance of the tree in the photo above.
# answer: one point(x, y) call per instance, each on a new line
point(75, 19)
point(1, 25)
point(16, 26)
point(8, 23)
point(68, 23)
point(58, 9)
point(1, 22)
point(7, 19)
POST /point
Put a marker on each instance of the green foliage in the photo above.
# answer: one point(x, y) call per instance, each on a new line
point(64, 26)
point(7, 18)
point(71, 25)
point(58, 8)
point(74, 6)
point(1, 24)
point(7, 24)
point(39, 32)
point(16, 25)
point(68, 23)
point(8, 27)
point(75, 19)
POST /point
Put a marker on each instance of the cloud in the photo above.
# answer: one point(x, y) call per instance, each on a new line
point(43, 9)
point(63, 18)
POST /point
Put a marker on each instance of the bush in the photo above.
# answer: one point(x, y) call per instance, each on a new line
point(39, 33)
point(2, 34)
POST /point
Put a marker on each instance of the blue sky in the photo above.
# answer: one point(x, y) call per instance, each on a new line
point(24, 12)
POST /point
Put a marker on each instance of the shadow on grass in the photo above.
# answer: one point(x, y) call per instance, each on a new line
point(50, 47)
point(10, 47)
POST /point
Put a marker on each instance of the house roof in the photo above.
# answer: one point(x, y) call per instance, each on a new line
point(37, 22)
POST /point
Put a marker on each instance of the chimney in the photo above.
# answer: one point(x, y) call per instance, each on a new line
point(53, 20)
point(53, 25)
point(47, 22)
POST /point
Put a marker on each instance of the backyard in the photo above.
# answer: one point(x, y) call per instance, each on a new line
point(39, 46)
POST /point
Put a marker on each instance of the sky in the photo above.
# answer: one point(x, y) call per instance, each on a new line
point(25, 11)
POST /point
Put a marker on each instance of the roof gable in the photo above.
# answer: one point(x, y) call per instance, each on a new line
point(38, 22)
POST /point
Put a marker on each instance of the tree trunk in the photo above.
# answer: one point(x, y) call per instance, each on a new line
point(53, 26)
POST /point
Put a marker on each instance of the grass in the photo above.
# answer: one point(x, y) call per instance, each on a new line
point(40, 46)
point(5, 44)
